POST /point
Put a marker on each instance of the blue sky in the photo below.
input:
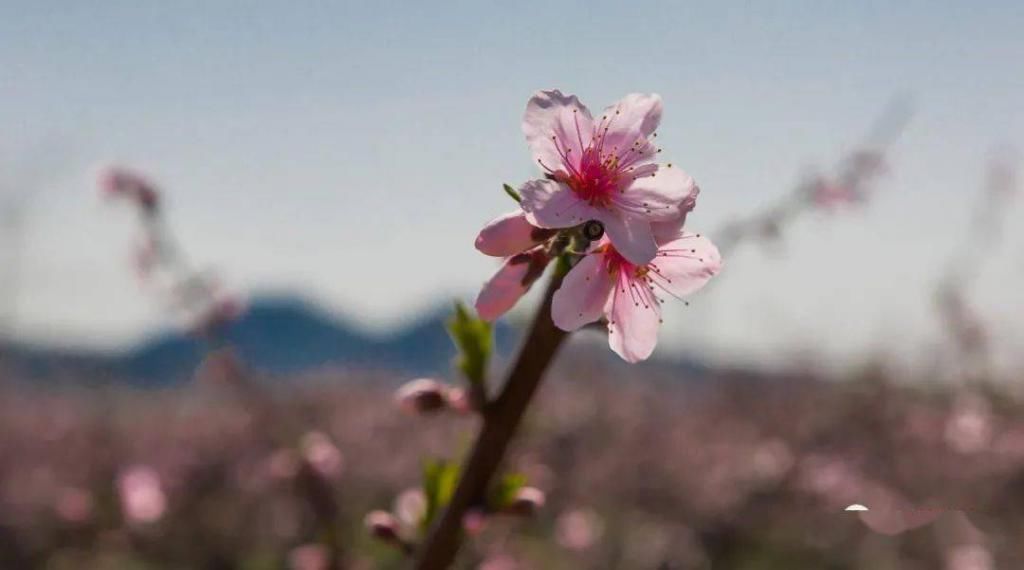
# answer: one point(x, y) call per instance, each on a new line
point(352, 150)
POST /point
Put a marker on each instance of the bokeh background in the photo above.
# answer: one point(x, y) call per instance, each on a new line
point(328, 166)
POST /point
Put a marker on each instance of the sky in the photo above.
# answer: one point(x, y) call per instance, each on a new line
point(351, 151)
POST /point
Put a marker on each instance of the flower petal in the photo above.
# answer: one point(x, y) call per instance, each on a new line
point(685, 264)
point(510, 234)
point(551, 204)
point(657, 197)
point(509, 283)
point(583, 293)
point(633, 320)
point(631, 236)
point(557, 127)
point(634, 117)
point(668, 231)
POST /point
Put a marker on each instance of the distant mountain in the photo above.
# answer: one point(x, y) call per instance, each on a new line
point(285, 335)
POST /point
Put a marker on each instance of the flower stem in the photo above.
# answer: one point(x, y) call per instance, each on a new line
point(501, 418)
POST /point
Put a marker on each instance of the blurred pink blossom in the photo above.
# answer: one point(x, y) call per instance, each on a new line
point(141, 493)
point(578, 529)
point(383, 526)
point(410, 507)
point(308, 557)
point(117, 182)
point(499, 562)
point(969, 428)
point(528, 501)
point(422, 395)
point(474, 521)
point(969, 557)
point(74, 505)
point(221, 311)
point(283, 464)
point(321, 454)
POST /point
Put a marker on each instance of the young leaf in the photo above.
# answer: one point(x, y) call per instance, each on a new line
point(440, 478)
point(504, 492)
point(472, 338)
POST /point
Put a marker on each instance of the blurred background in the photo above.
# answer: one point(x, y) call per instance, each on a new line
point(322, 171)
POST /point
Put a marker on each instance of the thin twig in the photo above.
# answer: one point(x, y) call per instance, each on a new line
point(501, 419)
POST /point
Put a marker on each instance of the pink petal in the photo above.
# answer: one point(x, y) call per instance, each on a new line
point(631, 236)
point(552, 114)
point(583, 294)
point(657, 197)
point(685, 264)
point(633, 320)
point(667, 231)
point(635, 116)
point(511, 282)
point(551, 204)
point(509, 234)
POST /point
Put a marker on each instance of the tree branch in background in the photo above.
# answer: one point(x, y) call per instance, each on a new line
point(965, 326)
point(208, 311)
point(851, 184)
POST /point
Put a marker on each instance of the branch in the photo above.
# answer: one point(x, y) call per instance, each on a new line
point(501, 418)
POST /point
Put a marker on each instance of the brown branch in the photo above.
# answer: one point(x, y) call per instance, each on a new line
point(501, 418)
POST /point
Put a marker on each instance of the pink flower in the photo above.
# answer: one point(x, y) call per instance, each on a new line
point(601, 170)
point(223, 310)
point(309, 557)
point(74, 505)
point(142, 495)
point(121, 183)
point(510, 234)
point(382, 525)
point(422, 395)
point(829, 195)
point(511, 282)
point(605, 283)
point(321, 454)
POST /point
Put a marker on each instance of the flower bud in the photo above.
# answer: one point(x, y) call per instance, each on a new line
point(321, 454)
point(220, 313)
point(119, 182)
point(459, 400)
point(411, 507)
point(423, 395)
point(510, 234)
point(527, 502)
point(474, 521)
point(382, 525)
point(309, 557)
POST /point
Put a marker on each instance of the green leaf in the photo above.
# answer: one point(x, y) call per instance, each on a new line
point(504, 492)
point(472, 338)
point(440, 478)
point(512, 193)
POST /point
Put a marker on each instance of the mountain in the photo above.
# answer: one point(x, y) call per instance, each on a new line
point(286, 335)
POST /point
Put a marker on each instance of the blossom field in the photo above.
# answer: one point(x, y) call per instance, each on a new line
point(481, 286)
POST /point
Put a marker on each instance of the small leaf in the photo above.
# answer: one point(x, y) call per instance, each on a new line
point(504, 492)
point(440, 478)
point(472, 338)
point(512, 193)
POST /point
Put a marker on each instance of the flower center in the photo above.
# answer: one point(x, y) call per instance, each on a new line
point(600, 169)
point(594, 179)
